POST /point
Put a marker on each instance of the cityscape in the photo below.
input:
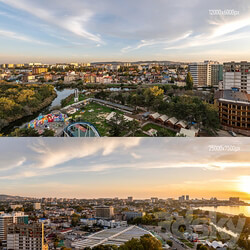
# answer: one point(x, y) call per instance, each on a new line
point(160, 99)
point(124, 125)
point(114, 193)
point(101, 70)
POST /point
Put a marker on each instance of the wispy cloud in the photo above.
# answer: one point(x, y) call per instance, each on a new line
point(20, 37)
point(130, 29)
point(72, 23)
point(44, 157)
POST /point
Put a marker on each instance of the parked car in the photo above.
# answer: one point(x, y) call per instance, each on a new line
point(232, 133)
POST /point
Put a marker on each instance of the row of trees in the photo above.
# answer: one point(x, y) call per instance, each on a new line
point(31, 132)
point(118, 125)
point(186, 107)
point(17, 101)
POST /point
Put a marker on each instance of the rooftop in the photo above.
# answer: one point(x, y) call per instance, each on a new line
point(114, 236)
point(234, 96)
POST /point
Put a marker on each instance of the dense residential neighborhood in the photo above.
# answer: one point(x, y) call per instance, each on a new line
point(61, 223)
point(128, 99)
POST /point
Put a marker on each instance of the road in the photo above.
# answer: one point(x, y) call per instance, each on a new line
point(224, 133)
point(168, 236)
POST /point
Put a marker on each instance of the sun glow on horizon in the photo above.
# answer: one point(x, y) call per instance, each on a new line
point(244, 184)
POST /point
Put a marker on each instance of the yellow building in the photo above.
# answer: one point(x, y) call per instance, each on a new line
point(37, 71)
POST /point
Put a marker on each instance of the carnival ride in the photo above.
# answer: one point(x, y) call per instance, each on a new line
point(55, 121)
point(81, 129)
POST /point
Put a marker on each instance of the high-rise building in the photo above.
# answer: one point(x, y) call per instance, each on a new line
point(26, 237)
point(187, 197)
point(182, 198)
point(206, 74)
point(104, 212)
point(5, 219)
point(216, 74)
point(237, 76)
point(154, 199)
point(130, 199)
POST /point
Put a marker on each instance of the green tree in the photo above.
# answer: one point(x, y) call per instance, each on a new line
point(117, 125)
point(75, 219)
point(48, 133)
point(133, 127)
point(170, 243)
point(201, 247)
point(189, 81)
point(150, 243)
point(133, 244)
point(25, 132)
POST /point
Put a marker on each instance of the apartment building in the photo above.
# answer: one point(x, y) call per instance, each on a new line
point(104, 212)
point(5, 219)
point(26, 237)
point(206, 74)
point(37, 206)
point(234, 110)
point(39, 70)
point(237, 75)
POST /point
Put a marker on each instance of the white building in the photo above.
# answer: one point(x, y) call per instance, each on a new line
point(37, 206)
point(14, 206)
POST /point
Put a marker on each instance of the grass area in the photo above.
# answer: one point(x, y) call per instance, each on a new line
point(161, 131)
point(140, 134)
point(96, 114)
point(81, 98)
point(187, 243)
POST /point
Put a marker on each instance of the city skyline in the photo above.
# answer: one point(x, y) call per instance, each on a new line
point(68, 31)
point(120, 168)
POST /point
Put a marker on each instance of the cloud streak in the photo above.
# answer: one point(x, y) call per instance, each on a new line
point(43, 157)
point(16, 36)
point(74, 24)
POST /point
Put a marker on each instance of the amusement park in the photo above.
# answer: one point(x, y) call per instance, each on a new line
point(64, 125)
point(85, 114)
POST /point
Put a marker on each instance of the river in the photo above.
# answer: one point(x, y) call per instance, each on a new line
point(234, 210)
point(61, 94)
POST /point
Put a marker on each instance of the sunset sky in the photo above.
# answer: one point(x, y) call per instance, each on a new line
point(99, 30)
point(111, 167)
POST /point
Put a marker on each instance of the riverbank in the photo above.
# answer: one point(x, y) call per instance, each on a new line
point(234, 210)
point(30, 112)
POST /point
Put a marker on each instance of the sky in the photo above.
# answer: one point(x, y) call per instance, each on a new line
point(138, 167)
point(50, 31)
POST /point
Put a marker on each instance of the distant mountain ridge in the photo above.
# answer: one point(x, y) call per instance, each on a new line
point(9, 197)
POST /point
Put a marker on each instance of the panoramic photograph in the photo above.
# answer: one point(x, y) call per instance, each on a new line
point(124, 125)
point(89, 68)
point(135, 193)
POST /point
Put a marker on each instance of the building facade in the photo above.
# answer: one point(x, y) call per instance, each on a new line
point(237, 75)
point(234, 111)
point(104, 212)
point(206, 74)
point(6, 219)
point(26, 237)
point(39, 70)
